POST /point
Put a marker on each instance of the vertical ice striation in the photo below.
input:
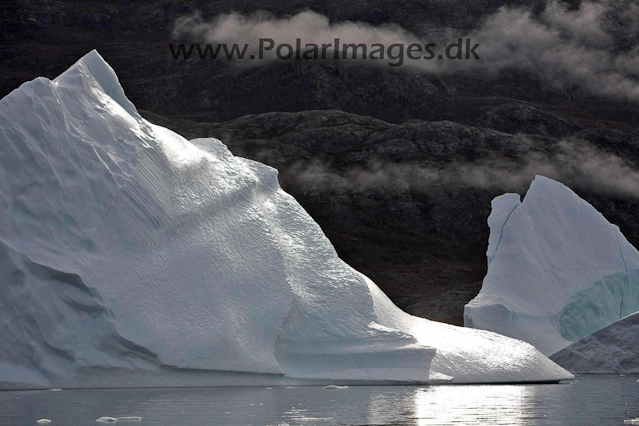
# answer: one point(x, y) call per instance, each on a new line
point(130, 256)
point(502, 208)
point(557, 269)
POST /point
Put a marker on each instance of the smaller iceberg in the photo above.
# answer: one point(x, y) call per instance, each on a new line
point(557, 269)
point(611, 350)
point(335, 387)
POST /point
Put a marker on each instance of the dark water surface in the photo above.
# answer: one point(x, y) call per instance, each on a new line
point(589, 400)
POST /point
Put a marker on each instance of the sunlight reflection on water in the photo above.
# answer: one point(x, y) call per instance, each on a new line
point(495, 405)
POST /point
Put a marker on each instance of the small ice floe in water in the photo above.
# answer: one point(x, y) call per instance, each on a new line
point(43, 421)
point(122, 419)
point(631, 421)
point(335, 387)
point(54, 390)
point(439, 378)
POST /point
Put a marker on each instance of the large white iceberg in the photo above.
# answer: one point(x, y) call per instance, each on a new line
point(130, 256)
point(611, 350)
point(557, 269)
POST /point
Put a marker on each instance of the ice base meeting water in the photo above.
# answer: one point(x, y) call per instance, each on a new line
point(588, 400)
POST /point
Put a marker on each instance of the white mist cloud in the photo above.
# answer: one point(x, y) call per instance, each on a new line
point(574, 49)
point(574, 163)
point(308, 26)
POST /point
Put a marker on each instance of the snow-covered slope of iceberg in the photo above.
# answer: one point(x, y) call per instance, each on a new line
point(557, 269)
point(132, 257)
point(611, 350)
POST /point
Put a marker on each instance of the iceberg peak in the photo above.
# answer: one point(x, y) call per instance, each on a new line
point(92, 73)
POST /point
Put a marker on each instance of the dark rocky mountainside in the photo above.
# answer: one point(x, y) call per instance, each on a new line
point(43, 38)
point(397, 165)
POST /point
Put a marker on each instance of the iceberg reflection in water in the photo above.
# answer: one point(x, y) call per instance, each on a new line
point(589, 400)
